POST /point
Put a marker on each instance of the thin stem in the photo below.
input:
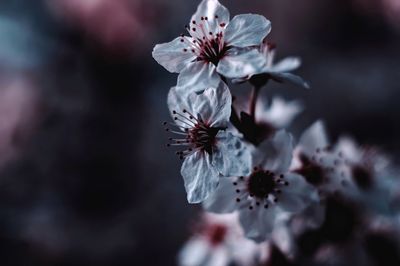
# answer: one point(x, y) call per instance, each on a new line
point(253, 100)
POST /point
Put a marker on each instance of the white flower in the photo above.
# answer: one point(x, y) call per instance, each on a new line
point(219, 242)
point(209, 150)
point(267, 192)
point(279, 72)
point(368, 177)
point(215, 46)
point(315, 161)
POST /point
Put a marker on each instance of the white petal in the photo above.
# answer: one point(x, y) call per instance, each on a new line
point(178, 101)
point(231, 156)
point(213, 105)
point(172, 56)
point(297, 195)
point(210, 9)
point(223, 200)
point(200, 178)
point(194, 252)
point(257, 223)
point(247, 30)
point(198, 76)
point(296, 80)
point(280, 114)
point(286, 65)
point(313, 138)
point(275, 155)
point(349, 148)
point(241, 63)
point(219, 257)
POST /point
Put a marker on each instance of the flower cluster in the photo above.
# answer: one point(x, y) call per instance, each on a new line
point(241, 163)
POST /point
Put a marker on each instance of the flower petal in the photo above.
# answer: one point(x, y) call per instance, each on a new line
point(241, 63)
point(280, 114)
point(213, 105)
point(172, 56)
point(313, 138)
point(257, 223)
point(231, 156)
point(198, 76)
point(200, 177)
point(223, 200)
point(297, 195)
point(211, 9)
point(286, 65)
point(296, 80)
point(195, 252)
point(275, 155)
point(247, 30)
point(178, 101)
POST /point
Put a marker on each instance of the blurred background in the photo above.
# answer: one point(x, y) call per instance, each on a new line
point(85, 178)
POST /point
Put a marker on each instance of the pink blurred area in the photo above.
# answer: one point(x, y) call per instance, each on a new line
point(390, 9)
point(121, 26)
point(19, 113)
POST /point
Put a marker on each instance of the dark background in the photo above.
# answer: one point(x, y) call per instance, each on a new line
point(85, 176)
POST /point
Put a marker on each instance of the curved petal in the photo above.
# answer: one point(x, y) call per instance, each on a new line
point(257, 223)
point(313, 138)
point(211, 9)
point(178, 101)
point(286, 65)
point(280, 114)
point(297, 195)
point(241, 63)
point(213, 105)
point(231, 156)
point(276, 154)
point(200, 177)
point(195, 252)
point(247, 30)
point(296, 80)
point(223, 200)
point(198, 76)
point(171, 55)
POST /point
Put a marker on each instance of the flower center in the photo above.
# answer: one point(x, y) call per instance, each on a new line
point(312, 172)
point(261, 183)
point(206, 41)
point(195, 134)
point(362, 177)
point(216, 233)
point(261, 188)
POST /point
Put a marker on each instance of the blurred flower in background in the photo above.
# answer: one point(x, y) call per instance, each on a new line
point(19, 114)
point(121, 26)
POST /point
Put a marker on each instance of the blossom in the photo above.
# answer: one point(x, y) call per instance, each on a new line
point(268, 192)
point(219, 241)
point(209, 149)
point(368, 177)
point(215, 46)
point(279, 72)
point(316, 162)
